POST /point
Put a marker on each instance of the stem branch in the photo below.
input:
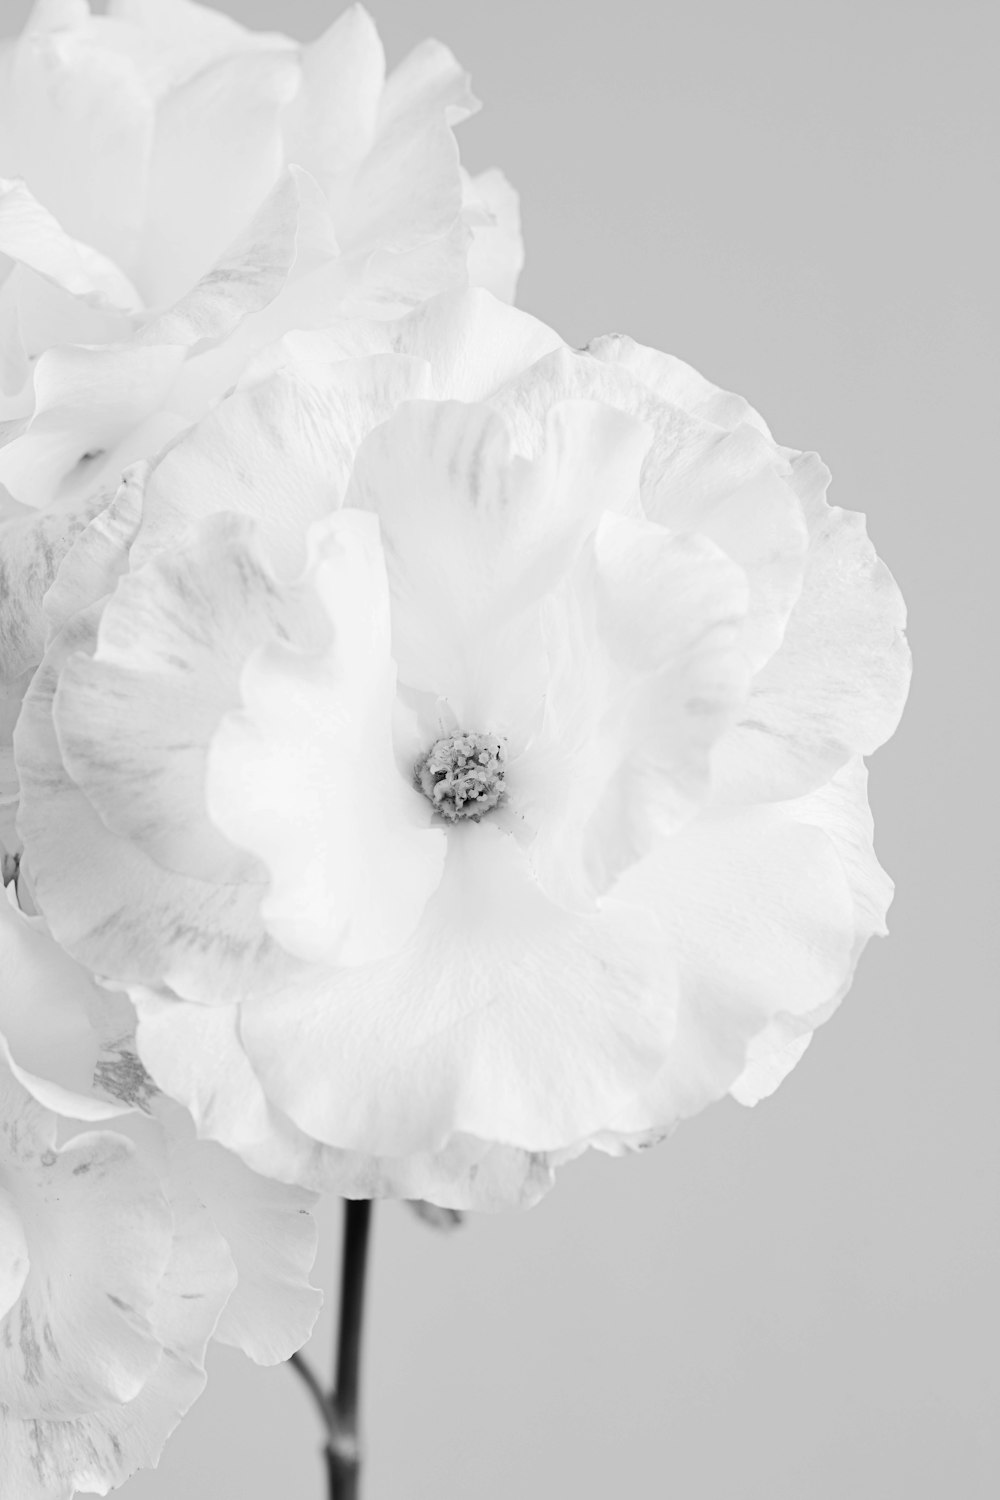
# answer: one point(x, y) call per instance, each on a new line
point(339, 1407)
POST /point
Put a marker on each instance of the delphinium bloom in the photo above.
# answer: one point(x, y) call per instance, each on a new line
point(455, 745)
point(125, 1243)
point(176, 191)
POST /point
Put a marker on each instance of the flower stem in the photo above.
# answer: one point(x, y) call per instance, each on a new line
point(339, 1408)
point(343, 1453)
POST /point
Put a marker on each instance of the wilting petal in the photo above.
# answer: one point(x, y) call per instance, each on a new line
point(503, 999)
point(306, 778)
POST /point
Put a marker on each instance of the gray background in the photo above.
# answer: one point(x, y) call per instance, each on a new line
point(796, 1302)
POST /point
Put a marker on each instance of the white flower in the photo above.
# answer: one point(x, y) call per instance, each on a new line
point(588, 587)
point(122, 1251)
point(175, 191)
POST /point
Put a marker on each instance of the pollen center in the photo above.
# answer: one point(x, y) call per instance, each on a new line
point(462, 775)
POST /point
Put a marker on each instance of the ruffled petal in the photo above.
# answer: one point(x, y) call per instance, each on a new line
point(46, 1033)
point(838, 684)
point(105, 900)
point(279, 451)
point(496, 1020)
point(636, 696)
point(80, 1335)
point(474, 536)
point(733, 487)
point(32, 546)
point(306, 778)
point(87, 401)
point(84, 129)
point(472, 343)
point(32, 236)
point(217, 153)
point(759, 913)
point(840, 809)
point(272, 1237)
point(496, 255)
point(50, 1459)
point(408, 188)
point(135, 718)
point(331, 125)
point(196, 1055)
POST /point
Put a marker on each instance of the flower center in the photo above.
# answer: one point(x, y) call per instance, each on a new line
point(462, 775)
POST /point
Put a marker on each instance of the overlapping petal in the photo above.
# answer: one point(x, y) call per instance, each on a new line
point(122, 1247)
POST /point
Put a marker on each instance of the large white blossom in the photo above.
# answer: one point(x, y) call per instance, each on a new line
point(176, 191)
point(125, 1243)
point(410, 561)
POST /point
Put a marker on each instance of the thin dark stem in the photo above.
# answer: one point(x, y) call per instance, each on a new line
point(339, 1407)
point(343, 1452)
point(304, 1369)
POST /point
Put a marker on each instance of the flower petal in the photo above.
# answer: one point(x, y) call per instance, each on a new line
point(279, 451)
point(759, 913)
point(105, 900)
point(499, 1019)
point(635, 699)
point(273, 1239)
point(134, 719)
point(87, 401)
point(217, 154)
point(80, 1335)
point(46, 1034)
point(408, 188)
point(32, 236)
point(196, 1055)
point(841, 809)
point(836, 687)
point(496, 256)
point(305, 777)
point(330, 126)
point(473, 536)
point(85, 122)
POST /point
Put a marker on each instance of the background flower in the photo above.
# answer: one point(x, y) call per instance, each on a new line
point(123, 1250)
point(608, 562)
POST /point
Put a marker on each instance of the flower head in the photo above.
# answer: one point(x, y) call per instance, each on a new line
point(458, 565)
point(125, 1243)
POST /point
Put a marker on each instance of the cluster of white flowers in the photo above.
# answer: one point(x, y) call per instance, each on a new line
point(426, 751)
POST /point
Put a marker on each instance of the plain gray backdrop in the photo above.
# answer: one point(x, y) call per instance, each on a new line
point(796, 1302)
